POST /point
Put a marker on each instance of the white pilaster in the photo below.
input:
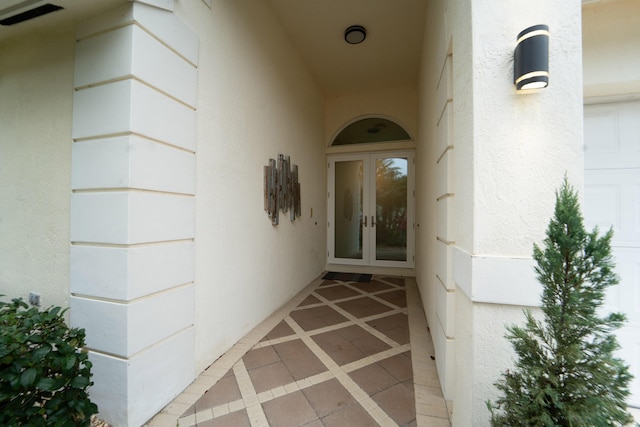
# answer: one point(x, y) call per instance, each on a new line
point(133, 207)
point(444, 294)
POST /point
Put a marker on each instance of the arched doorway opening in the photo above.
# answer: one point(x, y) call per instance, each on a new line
point(371, 196)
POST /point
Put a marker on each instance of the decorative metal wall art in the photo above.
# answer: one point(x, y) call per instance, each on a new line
point(281, 189)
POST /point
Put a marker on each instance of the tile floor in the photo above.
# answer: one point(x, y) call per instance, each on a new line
point(338, 354)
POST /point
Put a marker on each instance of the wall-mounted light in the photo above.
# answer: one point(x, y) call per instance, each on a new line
point(531, 58)
point(355, 34)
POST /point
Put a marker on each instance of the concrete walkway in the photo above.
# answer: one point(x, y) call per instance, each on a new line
point(339, 353)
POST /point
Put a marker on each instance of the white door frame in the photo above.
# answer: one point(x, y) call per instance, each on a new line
point(369, 202)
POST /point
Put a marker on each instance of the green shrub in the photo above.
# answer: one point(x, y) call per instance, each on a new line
point(566, 372)
point(44, 373)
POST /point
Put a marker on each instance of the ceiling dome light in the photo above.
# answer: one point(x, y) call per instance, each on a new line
point(355, 34)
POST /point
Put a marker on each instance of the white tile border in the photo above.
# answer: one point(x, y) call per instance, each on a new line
point(431, 408)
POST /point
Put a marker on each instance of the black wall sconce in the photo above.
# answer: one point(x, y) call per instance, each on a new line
point(531, 58)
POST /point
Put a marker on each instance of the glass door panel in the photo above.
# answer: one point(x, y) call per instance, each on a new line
point(370, 209)
point(348, 212)
point(391, 209)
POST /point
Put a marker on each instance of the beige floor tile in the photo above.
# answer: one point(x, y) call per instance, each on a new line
point(292, 410)
point(221, 410)
point(225, 390)
point(236, 405)
point(373, 379)
point(235, 419)
point(352, 415)
point(163, 420)
point(339, 353)
point(328, 397)
point(432, 411)
point(427, 421)
point(363, 307)
point(398, 402)
point(263, 356)
point(159, 421)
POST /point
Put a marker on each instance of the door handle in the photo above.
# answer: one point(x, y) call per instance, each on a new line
point(372, 221)
point(365, 221)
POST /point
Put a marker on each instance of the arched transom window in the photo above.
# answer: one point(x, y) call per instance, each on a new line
point(373, 129)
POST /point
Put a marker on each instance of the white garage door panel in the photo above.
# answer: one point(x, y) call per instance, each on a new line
point(631, 354)
point(612, 135)
point(626, 298)
point(612, 199)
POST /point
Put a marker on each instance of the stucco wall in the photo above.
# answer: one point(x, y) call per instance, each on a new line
point(256, 100)
point(611, 52)
point(133, 207)
point(435, 156)
point(507, 154)
point(481, 331)
point(36, 89)
point(399, 104)
point(522, 145)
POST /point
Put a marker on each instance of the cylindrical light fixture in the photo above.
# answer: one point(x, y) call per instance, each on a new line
point(531, 58)
point(355, 34)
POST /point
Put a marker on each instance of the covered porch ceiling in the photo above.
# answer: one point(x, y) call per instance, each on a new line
point(389, 57)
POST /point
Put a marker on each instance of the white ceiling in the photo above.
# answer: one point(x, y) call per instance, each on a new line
point(389, 57)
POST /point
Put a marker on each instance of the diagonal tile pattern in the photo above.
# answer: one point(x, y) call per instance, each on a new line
point(340, 353)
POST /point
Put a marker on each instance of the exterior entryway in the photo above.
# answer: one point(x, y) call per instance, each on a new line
point(612, 199)
point(371, 209)
point(339, 353)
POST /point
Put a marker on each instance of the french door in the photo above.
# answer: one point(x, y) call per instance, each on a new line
point(371, 209)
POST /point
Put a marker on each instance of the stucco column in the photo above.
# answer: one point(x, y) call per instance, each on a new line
point(133, 208)
point(512, 150)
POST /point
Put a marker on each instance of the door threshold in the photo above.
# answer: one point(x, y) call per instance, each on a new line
point(364, 269)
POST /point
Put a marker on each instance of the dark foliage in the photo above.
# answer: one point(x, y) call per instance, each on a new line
point(44, 373)
point(566, 373)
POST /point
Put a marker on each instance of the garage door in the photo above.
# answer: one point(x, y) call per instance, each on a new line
point(612, 198)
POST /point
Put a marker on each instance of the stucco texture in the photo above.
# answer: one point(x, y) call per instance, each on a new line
point(508, 152)
point(36, 88)
point(256, 100)
point(611, 59)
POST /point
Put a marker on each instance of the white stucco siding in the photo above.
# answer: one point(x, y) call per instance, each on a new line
point(398, 104)
point(256, 99)
point(436, 191)
point(133, 205)
point(523, 143)
point(458, 28)
point(509, 153)
point(494, 354)
point(481, 332)
point(36, 89)
point(611, 59)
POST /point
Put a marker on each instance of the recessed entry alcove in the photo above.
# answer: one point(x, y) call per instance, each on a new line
point(370, 212)
point(372, 129)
